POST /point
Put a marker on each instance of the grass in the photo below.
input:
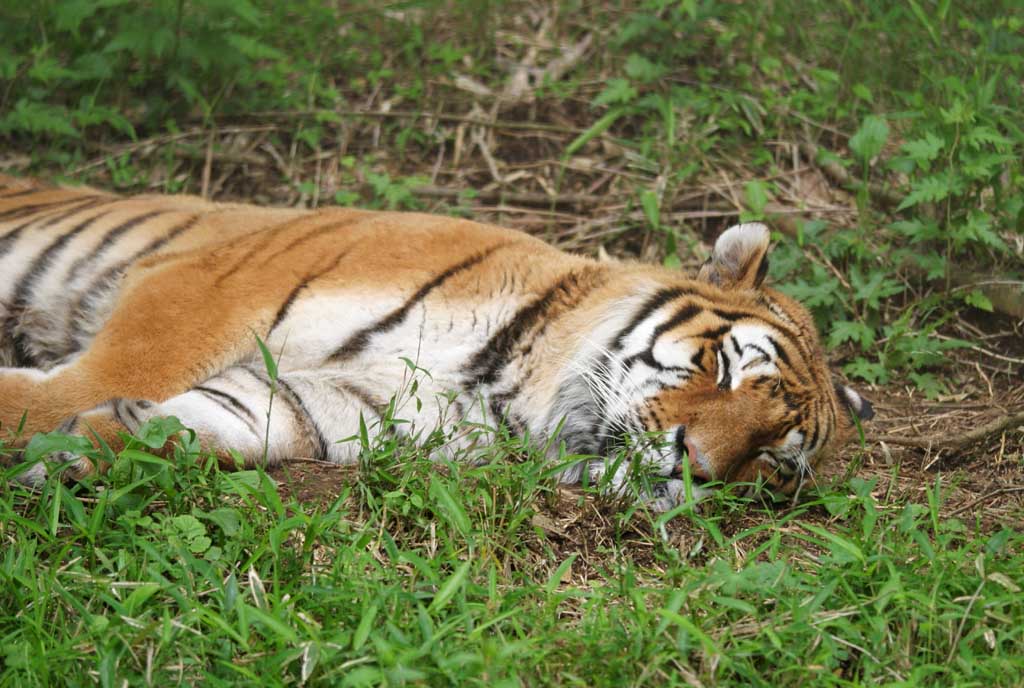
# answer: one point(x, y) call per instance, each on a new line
point(173, 572)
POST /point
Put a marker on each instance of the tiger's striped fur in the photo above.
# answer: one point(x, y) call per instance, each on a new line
point(114, 310)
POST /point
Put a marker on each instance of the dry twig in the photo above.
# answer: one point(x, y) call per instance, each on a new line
point(997, 426)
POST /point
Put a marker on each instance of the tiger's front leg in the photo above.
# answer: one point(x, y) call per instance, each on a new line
point(301, 414)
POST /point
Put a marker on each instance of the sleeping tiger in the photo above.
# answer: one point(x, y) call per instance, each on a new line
point(115, 310)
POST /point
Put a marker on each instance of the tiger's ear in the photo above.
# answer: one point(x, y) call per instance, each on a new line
point(854, 402)
point(740, 258)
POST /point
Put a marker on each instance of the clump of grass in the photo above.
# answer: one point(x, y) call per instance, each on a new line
point(174, 571)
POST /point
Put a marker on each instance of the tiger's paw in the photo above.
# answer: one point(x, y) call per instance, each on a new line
point(669, 494)
point(74, 466)
point(69, 463)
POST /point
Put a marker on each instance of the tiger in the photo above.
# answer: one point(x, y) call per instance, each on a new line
point(115, 310)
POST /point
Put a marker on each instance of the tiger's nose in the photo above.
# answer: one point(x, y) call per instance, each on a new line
point(687, 451)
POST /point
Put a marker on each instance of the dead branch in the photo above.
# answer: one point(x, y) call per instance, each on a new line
point(409, 114)
point(1006, 295)
point(994, 428)
point(525, 198)
point(985, 497)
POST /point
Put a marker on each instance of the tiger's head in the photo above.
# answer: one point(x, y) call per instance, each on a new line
point(728, 376)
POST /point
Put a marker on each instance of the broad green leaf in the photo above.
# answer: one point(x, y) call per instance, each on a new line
point(975, 137)
point(978, 299)
point(43, 444)
point(139, 596)
point(924, 150)
point(930, 189)
point(556, 578)
point(365, 626)
point(226, 518)
point(929, 384)
point(643, 70)
point(851, 331)
point(268, 358)
point(863, 92)
point(756, 192)
point(617, 91)
point(450, 587)
point(452, 509)
point(155, 432)
point(650, 204)
point(870, 138)
point(864, 369)
point(841, 547)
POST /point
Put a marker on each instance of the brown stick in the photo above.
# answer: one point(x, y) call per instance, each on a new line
point(1006, 295)
point(524, 198)
point(997, 426)
point(988, 495)
point(409, 114)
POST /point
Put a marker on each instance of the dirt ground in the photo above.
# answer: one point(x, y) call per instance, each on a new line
point(972, 437)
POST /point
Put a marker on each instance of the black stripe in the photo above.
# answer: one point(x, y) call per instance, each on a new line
point(759, 350)
point(88, 294)
point(108, 240)
point(647, 357)
point(109, 274)
point(22, 292)
point(367, 400)
point(231, 404)
point(814, 435)
point(8, 239)
point(282, 312)
point(496, 354)
point(258, 376)
point(500, 406)
point(117, 404)
point(713, 333)
point(659, 299)
point(697, 360)
point(361, 339)
point(780, 353)
point(23, 192)
point(117, 413)
point(726, 382)
point(300, 409)
point(731, 316)
point(685, 314)
point(38, 208)
point(736, 346)
point(313, 234)
point(260, 241)
point(361, 394)
point(74, 211)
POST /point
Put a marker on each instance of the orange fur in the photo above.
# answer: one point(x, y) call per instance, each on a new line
point(188, 309)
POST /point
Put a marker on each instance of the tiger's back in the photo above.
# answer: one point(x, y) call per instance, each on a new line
point(157, 299)
point(63, 253)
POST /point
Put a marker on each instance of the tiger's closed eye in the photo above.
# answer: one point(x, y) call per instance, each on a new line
point(759, 358)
